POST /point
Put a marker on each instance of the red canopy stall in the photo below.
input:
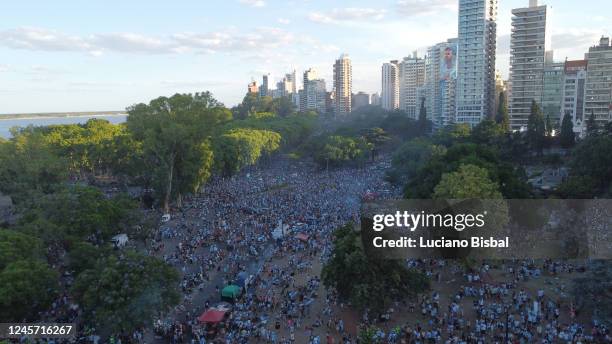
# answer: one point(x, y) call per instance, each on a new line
point(212, 316)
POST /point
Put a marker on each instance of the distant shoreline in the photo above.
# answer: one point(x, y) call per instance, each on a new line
point(61, 115)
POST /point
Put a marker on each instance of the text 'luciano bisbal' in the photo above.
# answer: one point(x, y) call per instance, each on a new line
point(414, 221)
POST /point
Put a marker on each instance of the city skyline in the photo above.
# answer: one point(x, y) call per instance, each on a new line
point(65, 55)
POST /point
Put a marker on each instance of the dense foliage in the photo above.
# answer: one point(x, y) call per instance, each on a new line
point(122, 293)
point(368, 282)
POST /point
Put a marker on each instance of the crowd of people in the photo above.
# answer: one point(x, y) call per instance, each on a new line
point(229, 229)
point(273, 226)
point(273, 223)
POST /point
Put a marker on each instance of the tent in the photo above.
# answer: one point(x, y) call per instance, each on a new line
point(212, 316)
point(231, 292)
point(120, 240)
point(302, 237)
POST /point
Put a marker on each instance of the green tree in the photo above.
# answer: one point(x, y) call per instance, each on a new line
point(591, 125)
point(423, 124)
point(123, 293)
point(365, 281)
point(16, 246)
point(536, 128)
point(468, 182)
point(452, 134)
point(244, 147)
point(376, 138)
point(28, 165)
point(77, 213)
point(501, 117)
point(337, 150)
point(487, 132)
point(567, 136)
point(410, 157)
point(284, 106)
point(175, 134)
point(593, 158)
point(26, 288)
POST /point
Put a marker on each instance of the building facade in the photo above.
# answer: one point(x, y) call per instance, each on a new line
point(527, 55)
point(440, 82)
point(390, 85)
point(574, 79)
point(314, 92)
point(598, 87)
point(552, 93)
point(252, 87)
point(360, 99)
point(264, 89)
point(476, 60)
point(411, 77)
point(343, 84)
point(375, 99)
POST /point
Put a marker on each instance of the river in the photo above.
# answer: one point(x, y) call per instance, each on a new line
point(7, 124)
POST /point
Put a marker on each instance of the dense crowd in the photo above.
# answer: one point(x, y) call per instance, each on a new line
point(230, 228)
point(272, 223)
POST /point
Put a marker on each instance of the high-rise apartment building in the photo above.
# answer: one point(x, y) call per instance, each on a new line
point(314, 93)
point(552, 92)
point(574, 79)
point(476, 60)
point(375, 99)
point(264, 89)
point(527, 55)
point(440, 82)
point(343, 84)
point(390, 85)
point(411, 77)
point(598, 87)
point(252, 88)
point(360, 99)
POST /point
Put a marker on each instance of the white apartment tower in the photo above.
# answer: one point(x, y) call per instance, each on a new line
point(314, 93)
point(476, 60)
point(390, 85)
point(572, 100)
point(598, 87)
point(527, 58)
point(343, 84)
point(440, 82)
point(411, 77)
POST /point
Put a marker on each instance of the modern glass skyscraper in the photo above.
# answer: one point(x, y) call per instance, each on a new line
point(476, 60)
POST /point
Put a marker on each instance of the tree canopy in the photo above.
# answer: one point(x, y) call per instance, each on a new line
point(368, 282)
point(175, 134)
point(125, 292)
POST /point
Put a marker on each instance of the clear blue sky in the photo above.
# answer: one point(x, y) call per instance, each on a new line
point(75, 55)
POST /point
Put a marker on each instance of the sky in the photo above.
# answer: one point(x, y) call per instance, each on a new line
point(97, 55)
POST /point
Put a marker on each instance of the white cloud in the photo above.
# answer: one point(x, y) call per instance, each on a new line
point(4, 68)
point(283, 21)
point(229, 41)
point(253, 3)
point(347, 15)
point(31, 38)
point(133, 43)
point(425, 7)
point(232, 40)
